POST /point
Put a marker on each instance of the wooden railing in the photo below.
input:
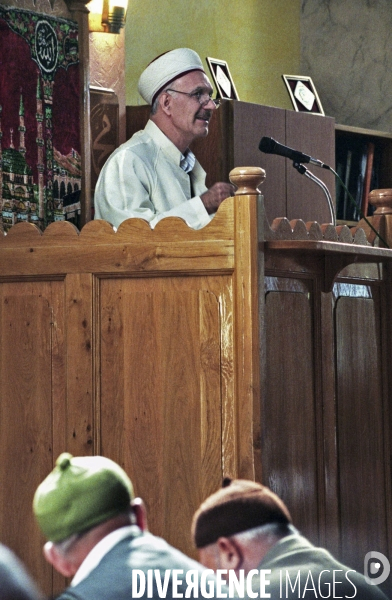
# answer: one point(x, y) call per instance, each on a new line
point(241, 349)
point(139, 344)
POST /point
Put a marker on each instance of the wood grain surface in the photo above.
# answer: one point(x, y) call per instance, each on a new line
point(141, 345)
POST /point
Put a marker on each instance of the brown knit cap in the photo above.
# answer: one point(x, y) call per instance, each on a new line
point(236, 507)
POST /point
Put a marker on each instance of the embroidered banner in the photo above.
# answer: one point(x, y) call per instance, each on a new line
point(40, 166)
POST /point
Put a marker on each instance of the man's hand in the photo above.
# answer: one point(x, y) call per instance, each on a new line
point(213, 197)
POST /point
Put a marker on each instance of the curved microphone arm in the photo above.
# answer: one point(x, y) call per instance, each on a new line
point(304, 171)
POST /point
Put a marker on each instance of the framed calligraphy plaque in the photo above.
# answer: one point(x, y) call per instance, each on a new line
point(303, 94)
point(222, 78)
point(104, 122)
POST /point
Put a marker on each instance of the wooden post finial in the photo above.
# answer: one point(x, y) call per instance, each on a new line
point(247, 179)
point(382, 201)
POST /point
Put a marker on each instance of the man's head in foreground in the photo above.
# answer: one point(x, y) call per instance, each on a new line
point(235, 527)
point(81, 501)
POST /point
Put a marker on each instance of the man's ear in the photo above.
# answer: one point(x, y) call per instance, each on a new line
point(58, 561)
point(230, 554)
point(165, 101)
point(140, 512)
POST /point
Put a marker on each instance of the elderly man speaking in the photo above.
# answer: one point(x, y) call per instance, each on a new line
point(155, 174)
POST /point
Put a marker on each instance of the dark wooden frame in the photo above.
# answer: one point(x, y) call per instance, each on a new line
point(104, 124)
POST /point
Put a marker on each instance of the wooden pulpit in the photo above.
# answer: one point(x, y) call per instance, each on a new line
point(244, 349)
point(141, 345)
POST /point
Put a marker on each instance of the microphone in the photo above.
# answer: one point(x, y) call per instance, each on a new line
point(271, 146)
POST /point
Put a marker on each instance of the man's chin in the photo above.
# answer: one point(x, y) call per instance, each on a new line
point(203, 129)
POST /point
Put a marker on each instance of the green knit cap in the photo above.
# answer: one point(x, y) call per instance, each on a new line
point(79, 493)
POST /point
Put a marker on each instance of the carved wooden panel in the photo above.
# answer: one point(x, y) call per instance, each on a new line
point(31, 427)
point(326, 425)
point(290, 406)
point(362, 428)
point(172, 330)
point(138, 344)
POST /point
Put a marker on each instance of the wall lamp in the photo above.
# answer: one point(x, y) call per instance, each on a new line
point(107, 15)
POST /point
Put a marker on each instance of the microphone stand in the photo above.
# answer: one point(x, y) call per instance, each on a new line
point(304, 171)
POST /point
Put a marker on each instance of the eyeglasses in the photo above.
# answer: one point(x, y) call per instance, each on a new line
point(202, 97)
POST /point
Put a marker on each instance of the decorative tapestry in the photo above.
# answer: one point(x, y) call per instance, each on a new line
point(40, 166)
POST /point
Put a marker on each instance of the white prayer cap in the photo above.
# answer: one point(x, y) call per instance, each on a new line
point(166, 68)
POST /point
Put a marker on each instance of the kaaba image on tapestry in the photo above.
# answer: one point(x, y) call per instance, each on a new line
point(40, 161)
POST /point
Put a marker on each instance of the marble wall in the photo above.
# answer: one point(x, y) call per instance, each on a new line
point(346, 48)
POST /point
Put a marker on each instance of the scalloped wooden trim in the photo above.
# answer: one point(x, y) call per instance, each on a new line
point(314, 231)
point(130, 231)
point(175, 229)
point(284, 230)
